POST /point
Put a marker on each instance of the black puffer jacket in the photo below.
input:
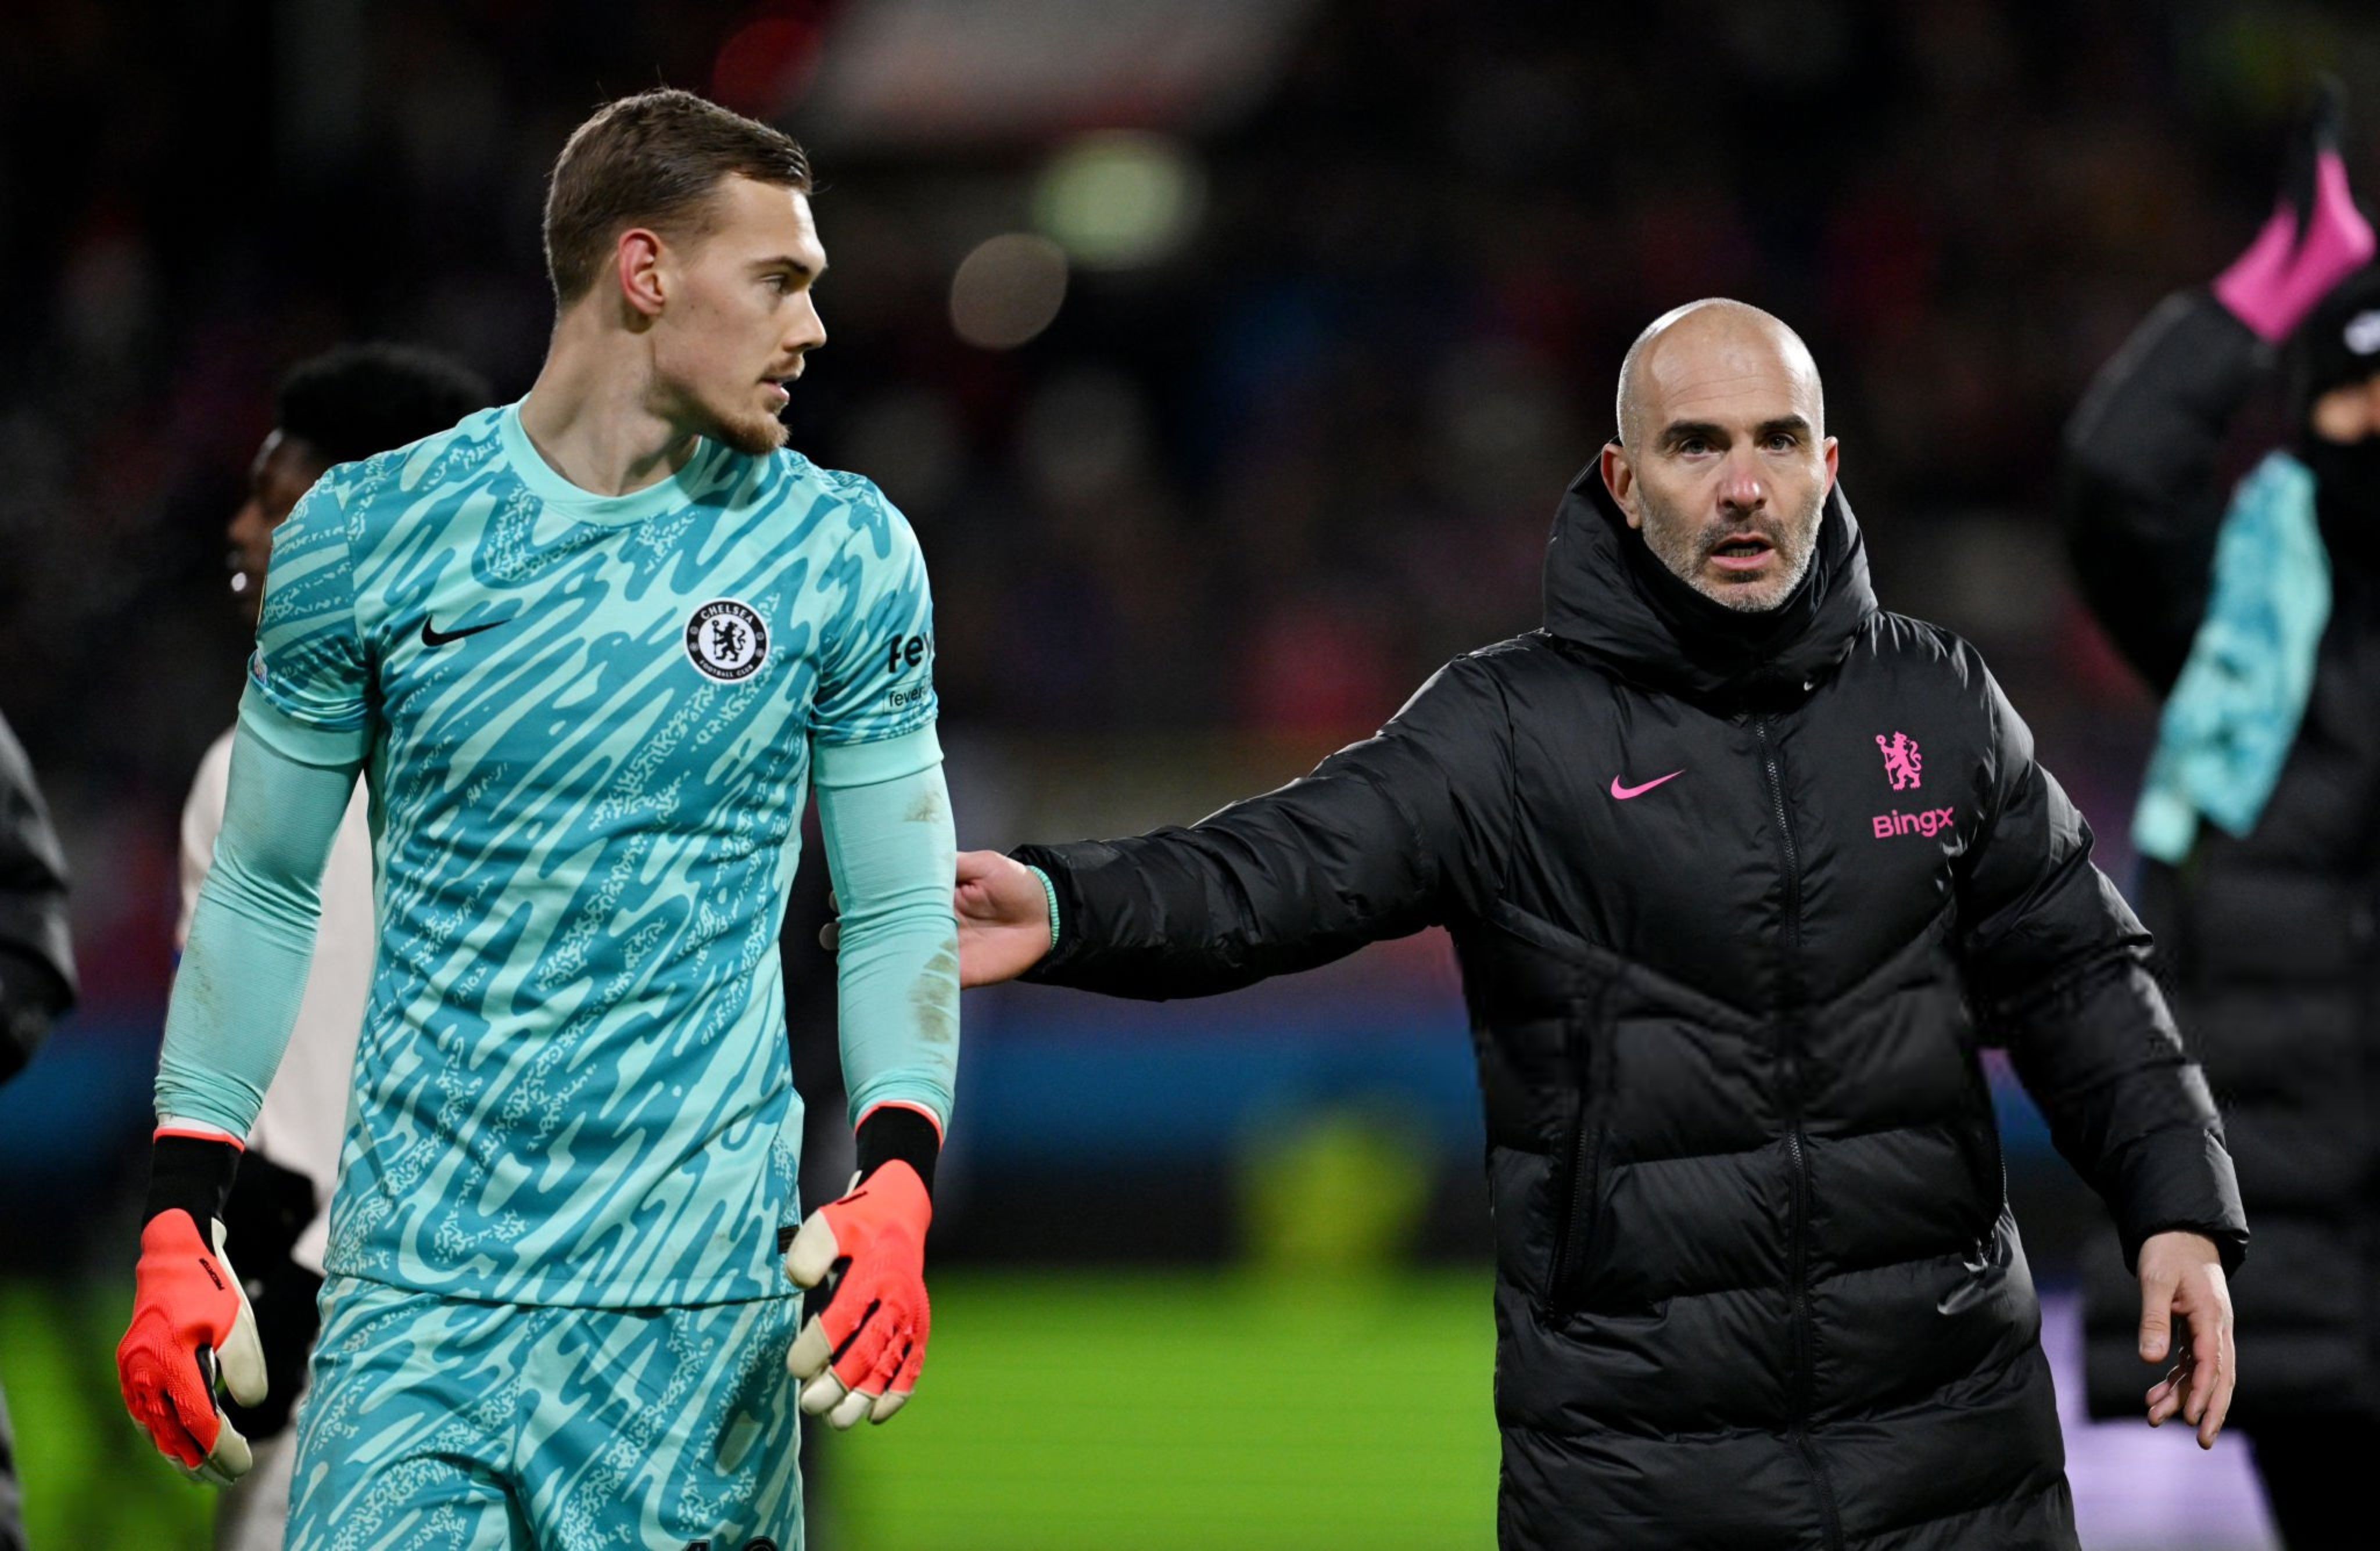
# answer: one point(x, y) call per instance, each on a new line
point(2267, 940)
point(1730, 969)
point(37, 981)
point(37, 975)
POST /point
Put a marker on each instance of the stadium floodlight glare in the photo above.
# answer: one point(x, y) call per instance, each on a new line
point(1008, 290)
point(1121, 199)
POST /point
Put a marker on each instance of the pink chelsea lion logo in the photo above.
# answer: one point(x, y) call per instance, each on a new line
point(1901, 762)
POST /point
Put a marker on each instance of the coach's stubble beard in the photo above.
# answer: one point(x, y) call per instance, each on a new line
point(1684, 548)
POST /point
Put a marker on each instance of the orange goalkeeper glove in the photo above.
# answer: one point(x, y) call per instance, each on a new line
point(861, 1352)
point(191, 1327)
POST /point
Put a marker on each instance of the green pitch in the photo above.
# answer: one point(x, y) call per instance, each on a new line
point(1089, 1410)
point(1183, 1410)
point(89, 1474)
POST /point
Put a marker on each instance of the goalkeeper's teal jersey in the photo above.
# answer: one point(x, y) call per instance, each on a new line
point(589, 721)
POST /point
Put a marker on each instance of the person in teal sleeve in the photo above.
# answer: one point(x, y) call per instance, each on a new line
point(590, 652)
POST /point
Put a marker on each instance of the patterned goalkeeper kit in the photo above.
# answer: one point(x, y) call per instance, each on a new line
point(555, 1313)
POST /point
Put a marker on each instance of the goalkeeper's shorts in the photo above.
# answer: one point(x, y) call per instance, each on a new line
point(440, 1425)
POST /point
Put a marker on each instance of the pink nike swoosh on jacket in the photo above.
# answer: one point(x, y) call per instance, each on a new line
point(1624, 792)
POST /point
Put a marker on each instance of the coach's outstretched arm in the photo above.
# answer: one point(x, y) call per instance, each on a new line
point(2058, 971)
point(1379, 840)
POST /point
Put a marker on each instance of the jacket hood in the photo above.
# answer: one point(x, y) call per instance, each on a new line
point(1606, 592)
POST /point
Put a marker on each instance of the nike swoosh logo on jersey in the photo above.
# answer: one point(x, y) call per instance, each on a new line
point(434, 637)
point(1624, 792)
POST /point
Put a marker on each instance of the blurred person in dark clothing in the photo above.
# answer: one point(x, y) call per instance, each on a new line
point(337, 407)
point(2256, 614)
point(341, 406)
point(37, 982)
point(37, 977)
point(1742, 873)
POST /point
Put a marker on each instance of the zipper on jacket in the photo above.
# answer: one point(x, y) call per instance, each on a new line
point(1796, 1143)
point(1586, 1146)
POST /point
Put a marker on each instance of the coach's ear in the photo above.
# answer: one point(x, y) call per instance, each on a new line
point(641, 264)
point(1620, 479)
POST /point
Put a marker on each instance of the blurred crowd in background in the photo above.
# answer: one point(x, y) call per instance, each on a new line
point(1293, 432)
point(1228, 356)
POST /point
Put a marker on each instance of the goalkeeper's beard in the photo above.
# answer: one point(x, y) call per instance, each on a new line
point(755, 435)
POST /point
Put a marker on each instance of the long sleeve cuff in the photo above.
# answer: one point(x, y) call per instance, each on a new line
point(899, 1132)
point(2177, 1178)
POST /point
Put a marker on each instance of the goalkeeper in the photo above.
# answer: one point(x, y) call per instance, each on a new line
point(593, 649)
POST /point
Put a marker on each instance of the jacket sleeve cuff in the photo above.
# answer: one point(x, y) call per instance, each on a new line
point(2179, 1179)
point(1052, 865)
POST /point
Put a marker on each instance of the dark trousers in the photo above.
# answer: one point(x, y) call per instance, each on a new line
point(2317, 1479)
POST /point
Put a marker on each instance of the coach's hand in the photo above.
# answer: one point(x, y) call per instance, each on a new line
point(2181, 1275)
point(861, 1354)
point(1003, 917)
